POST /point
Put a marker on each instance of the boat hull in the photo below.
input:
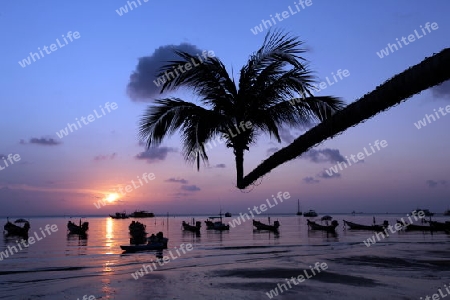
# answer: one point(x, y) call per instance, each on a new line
point(328, 228)
point(354, 226)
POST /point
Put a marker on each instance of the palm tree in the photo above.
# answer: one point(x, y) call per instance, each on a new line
point(430, 72)
point(275, 89)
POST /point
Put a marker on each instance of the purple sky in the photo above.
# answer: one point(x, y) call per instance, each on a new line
point(78, 78)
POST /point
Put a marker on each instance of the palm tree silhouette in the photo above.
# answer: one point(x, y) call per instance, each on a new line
point(274, 89)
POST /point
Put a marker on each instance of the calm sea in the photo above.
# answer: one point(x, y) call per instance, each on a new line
point(241, 263)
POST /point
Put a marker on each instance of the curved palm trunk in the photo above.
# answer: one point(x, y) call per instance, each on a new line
point(430, 72)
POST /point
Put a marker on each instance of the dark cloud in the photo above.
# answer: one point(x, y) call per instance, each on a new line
point(183, 181)
point(190, 188)
point(43, 141)
point(323, 155)
point(220, 166)
point(326, 175)
point(155, 154)
point(310, 179)
point(442, 90)
point(141, 86)
point(105, 157)
point(272, 150)
point(433, 183)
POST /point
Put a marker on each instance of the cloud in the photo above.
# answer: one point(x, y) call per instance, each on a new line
point(442, 90)
point(433, 183)
point(155, 154)
point(220, 166)
point(183, 181)
point(141, 86)
point(325, 175)
point(286, 135)
point(323, 155)
point(190, 188)
point(105, 157)
point(42, 141)
point(310, 179)
point(272, 150)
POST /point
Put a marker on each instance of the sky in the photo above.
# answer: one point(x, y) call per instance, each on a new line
point(102, 73)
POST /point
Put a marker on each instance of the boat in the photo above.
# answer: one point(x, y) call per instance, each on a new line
point(328, 228)
point(439, 225)
point(118, 215)
point(326, 218)
point(142, 214)
point(13, 229)
point(447, 212)
point(374, 227)
point(193, 228)
point(261, 226)
point(211, 224)
point(426, 212)
point(310, 213)
point(158, 242)
point(77, 229)
point(413, 227)
point(228, 214)
point(299, 212)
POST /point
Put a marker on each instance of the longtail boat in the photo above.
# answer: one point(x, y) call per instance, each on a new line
point(329, 228)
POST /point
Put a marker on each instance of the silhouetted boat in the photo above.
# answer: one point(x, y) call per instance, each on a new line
point(77, 229)
point(310, 213)
point(228, 215)
point(193, 228)
point(122, 215)
point(329, 228)
point(374, 227)
point(211, 224)
point(142, 214)
point(426, 212)
point(439, 225)
point(299, 212)
point(261, 226)
point(414, 227)
point(447, 212)
point(13, 229)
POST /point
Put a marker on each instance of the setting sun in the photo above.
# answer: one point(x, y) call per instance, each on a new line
point(112, 197)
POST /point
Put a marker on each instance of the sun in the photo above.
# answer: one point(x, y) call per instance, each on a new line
point(112, 197)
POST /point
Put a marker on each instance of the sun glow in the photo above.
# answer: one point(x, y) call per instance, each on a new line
point(112, 197)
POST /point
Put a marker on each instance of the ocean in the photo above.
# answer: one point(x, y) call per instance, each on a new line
point(240, 263)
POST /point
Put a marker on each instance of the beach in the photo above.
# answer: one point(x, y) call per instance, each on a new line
point(241, 263)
